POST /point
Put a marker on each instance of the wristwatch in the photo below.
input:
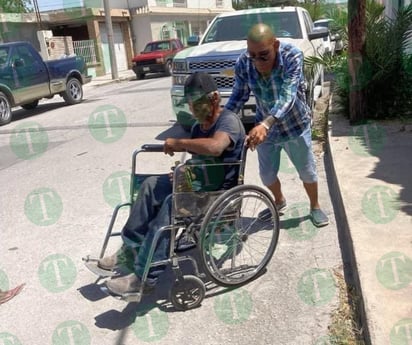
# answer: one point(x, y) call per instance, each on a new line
point(268, 122)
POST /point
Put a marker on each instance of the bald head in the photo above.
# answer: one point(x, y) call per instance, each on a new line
point(260, 33)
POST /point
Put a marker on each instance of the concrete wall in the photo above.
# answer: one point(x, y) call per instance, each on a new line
point(141, 32)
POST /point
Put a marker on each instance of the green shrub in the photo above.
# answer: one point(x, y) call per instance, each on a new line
point(386, 72)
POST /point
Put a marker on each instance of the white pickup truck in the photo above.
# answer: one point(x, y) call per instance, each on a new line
point(225, 39)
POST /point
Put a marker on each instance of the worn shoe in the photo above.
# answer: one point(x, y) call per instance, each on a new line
point(319, 218)
point(125, 257)
point(126, 285)
point(109, 262)
point(266, 214)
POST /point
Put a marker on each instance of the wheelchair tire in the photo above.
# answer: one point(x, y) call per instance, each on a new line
point(187, 294)
point(236, 241)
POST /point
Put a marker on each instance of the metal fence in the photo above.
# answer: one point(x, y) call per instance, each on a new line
point(86, 49)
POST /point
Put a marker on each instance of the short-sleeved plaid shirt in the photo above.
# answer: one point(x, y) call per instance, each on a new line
point(281, 95)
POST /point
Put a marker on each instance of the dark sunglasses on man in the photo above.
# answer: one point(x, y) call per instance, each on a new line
point(262, 56)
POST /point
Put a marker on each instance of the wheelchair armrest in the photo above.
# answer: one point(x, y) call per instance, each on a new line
point(152, 147)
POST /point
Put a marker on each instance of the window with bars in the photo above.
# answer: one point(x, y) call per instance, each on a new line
point(86, 49)
point(179, 3)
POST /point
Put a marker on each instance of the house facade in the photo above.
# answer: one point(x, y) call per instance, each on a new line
point(135, 22)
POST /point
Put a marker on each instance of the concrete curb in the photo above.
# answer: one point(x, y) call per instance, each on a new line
point(344, 234)
point(106, 80)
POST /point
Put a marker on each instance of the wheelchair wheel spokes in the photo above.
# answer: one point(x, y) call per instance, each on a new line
point(187, 293)
point(236, 245)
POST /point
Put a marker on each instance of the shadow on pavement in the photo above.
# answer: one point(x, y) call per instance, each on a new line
point(390, 143)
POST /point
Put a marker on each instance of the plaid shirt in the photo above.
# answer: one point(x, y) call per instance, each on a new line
point(281, 95)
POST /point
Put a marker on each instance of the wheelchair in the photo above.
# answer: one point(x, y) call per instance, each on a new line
point(234, 239)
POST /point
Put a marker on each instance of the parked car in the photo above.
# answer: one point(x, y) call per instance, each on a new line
point(25, 78)
point(225, 39)
point(156, 57)
point(333, 42)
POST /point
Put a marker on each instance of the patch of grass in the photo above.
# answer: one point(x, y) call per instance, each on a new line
point(344, 328)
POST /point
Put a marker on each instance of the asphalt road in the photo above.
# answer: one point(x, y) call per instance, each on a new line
point(62, 170)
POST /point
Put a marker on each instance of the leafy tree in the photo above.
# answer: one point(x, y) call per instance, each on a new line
point(356, 63)
point(385, 76)
point(15, 6)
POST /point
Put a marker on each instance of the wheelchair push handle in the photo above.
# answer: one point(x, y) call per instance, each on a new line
point(152, 147)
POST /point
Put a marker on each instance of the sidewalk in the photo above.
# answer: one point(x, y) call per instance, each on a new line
point(107, 79)
point(371, 185)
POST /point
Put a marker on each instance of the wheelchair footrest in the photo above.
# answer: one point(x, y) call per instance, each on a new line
point(91, 264)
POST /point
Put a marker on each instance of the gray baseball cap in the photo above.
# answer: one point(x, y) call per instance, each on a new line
point(198, 85)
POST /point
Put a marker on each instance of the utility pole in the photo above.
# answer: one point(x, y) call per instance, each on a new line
point(38, 15)
point(109, 28)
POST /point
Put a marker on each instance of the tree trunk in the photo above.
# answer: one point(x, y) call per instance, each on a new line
point(356, 30)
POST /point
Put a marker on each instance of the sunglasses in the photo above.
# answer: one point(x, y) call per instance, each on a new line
point(263, 56)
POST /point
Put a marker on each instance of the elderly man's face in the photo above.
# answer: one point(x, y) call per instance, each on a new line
point(201, 108)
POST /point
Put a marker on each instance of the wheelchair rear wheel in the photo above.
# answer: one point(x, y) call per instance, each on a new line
point(236, 240)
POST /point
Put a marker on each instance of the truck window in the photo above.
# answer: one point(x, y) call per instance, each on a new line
point(4, 53)
point(24, 54)
point(308, 23)
point(233, 28)
point(156, 46)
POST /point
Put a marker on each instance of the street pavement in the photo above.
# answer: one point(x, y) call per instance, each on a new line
point(369, 172)
point(364, 186)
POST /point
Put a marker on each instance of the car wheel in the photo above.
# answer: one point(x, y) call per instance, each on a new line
point(139, 76)
point(30, 106)
point(74, 91)
point(169, 68)
point(5, 109)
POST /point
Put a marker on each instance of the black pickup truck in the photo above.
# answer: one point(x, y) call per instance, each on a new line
point(25, 78)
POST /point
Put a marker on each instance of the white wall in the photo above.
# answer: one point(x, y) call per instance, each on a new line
point(227, 4)
point(141, 32)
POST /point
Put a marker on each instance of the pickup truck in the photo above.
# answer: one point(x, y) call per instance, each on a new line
point(225, 39)
point(25, 78)
point(156, 57)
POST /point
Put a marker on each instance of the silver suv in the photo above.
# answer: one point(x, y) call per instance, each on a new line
point(223, 42)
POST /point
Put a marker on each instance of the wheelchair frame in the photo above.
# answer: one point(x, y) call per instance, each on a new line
point(224, 217)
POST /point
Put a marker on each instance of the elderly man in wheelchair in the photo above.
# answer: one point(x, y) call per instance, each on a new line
point(227, 211)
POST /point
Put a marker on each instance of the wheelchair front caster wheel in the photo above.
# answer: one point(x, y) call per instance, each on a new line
point(188, 293)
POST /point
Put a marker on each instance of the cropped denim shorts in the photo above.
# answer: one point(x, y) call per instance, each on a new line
point(299, 151)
